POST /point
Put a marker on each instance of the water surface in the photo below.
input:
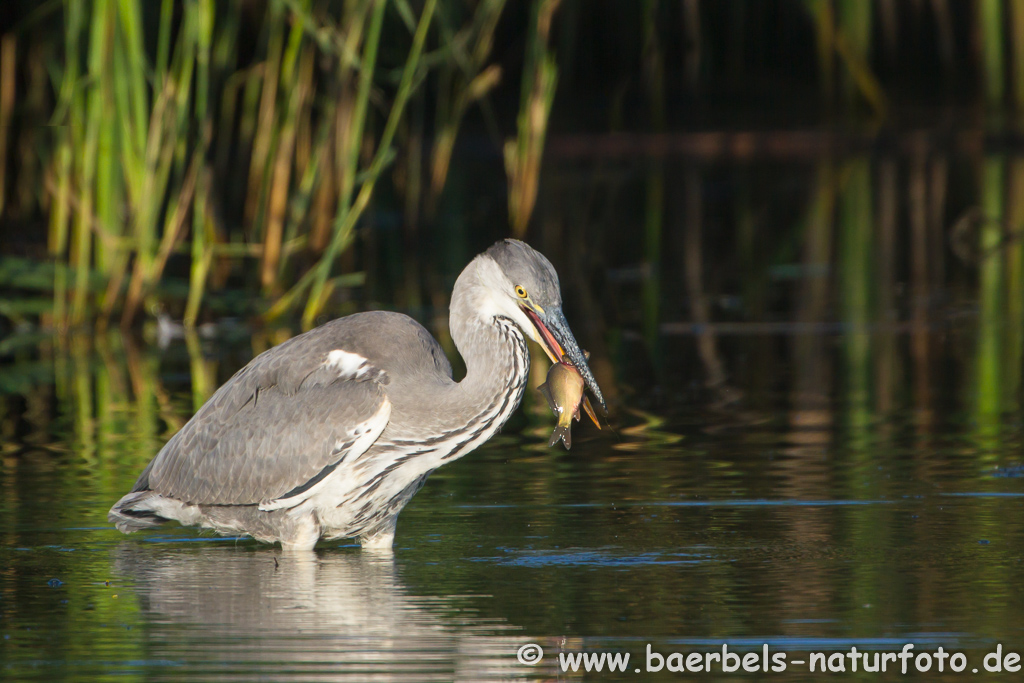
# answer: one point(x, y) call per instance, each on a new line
point(692, 523)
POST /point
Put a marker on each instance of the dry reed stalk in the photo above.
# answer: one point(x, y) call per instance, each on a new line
point(523, 155)
point(8, 74)
point(347, 217)
point(265, 120)
point(280, 184)
point(475, 81)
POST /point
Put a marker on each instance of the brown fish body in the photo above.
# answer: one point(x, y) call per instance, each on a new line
point(564, 393)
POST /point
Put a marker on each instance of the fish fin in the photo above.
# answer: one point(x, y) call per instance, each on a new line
point(543, 389)
point(563, 433)
point(590, 411)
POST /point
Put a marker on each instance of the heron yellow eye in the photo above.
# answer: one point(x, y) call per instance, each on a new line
point(520, 292)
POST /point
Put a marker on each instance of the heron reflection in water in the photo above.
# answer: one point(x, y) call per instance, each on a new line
point(221, 612)
point(331, 433)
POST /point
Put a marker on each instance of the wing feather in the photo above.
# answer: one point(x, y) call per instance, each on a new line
point(272, 429)
point(306, 405)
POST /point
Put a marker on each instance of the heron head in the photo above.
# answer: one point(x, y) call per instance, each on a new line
point(523, 285)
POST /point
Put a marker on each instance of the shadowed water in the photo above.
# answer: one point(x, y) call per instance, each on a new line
point(816, 451)
point(754, 523)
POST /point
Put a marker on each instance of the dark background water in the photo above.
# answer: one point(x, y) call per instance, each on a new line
point(685, 528)
point(788, 232)
point(757, 512)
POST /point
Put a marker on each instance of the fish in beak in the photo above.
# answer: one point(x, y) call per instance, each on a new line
point(564, 393)
point(561, 347)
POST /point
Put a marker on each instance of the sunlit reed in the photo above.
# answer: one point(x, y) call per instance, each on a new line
point(152, 108)
point(523, 155)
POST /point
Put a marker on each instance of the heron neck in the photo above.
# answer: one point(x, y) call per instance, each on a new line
point(494, 350)
point(455, 417)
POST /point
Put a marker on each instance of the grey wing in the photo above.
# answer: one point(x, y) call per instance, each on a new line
point(273, 431)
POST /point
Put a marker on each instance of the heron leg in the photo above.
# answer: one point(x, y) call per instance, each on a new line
point(302, 546)
point(305, 532)
point(381, 538)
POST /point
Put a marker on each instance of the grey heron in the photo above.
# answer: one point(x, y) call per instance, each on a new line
point(331, 433)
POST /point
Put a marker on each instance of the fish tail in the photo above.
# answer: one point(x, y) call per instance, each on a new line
point(564, 433)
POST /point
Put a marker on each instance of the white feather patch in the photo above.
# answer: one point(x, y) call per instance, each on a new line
point(349, 365)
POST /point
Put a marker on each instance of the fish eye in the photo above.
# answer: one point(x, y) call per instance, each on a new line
point(521, 292)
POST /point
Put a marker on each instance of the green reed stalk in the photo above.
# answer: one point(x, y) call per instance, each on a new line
point(60, 214)
point(100, 30)
point(58, 237)
point(147, 181)
point(349, 139)
point(818, 231)
point(845, 30)
point(854, 27)
point(988, 356)
point(108, 191)
point(343, 231)
point(990, 23)
point(202, 247)
point(265, 122)
point(109, 188)
point(281, 168)
point(1017, 46)
point(146, 130)
point(113, 262)
point(856, 257)
point(174, 150)
point(311, 179)
point(523, 156)
point(134, 92)
point(156, 147)
point(475, 81)
point(354, 135)
point(350, 119)
point(825, 24)
point(203, 382)
point(83, 424)
point(107, 408)
point(228, 79)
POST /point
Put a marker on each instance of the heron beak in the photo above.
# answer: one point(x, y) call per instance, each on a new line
point(561, 347)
